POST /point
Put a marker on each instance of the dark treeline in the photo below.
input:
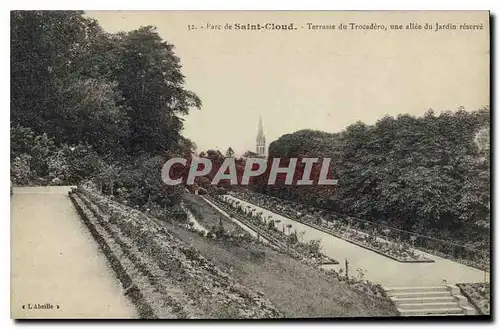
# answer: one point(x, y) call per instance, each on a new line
point(429, 174)
point(90, 104)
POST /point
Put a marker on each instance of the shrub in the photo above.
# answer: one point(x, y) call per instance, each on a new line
point(83, 161)
point(20, 171)
point(37, 147)
point(36, 159)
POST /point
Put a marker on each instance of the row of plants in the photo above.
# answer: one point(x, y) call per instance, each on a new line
point(208, 289)
point(308, 252)
point(267, 227)
point(179, 216)
point(175, 215)
point(407, 241)
point(399, 250)
point(478, 295)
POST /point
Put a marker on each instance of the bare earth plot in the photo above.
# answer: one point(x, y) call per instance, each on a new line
point(55, 260)
point(381, 269)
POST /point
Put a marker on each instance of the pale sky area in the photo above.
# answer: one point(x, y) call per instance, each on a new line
point(316, 79)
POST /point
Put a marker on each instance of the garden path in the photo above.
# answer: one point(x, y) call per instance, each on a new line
point(54, 259)
point(378, 268)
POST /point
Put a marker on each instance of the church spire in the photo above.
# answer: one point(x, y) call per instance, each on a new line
point(260, 135)
point(261, 140)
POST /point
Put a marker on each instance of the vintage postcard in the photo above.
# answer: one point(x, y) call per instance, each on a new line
point(250, 164)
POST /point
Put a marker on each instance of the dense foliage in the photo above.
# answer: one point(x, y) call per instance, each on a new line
point(425, 174)
point(90, 104)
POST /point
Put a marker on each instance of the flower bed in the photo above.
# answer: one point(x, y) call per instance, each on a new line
point(401, 252)
point(397, 251)
point(305, 214)
point(478, 295)
point(297, 250)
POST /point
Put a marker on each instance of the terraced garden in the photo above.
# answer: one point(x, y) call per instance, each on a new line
point(165, 277)
point(372, 240)
point(170, 271)
point(396, 244)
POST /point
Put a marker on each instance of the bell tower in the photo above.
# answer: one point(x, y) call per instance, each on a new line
point(261, 141)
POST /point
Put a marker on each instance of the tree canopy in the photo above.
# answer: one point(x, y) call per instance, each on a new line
point(111, 101)
point(118, 92)
point(425, 174)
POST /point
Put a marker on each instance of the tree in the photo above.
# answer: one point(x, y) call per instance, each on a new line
point(84, 100)
point(301, 144)
point(25, 143)
point(229, 153)
point(249, 154)
point(108, 177)
point(117, 92)
point(293, 238)
point(152, 85)
point(42, 49)
point(425, 174)
point(51, 85)
point(314, 247)
point(220, 229)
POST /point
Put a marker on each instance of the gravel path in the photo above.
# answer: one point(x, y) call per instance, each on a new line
point(55, 260)
point(379, 268)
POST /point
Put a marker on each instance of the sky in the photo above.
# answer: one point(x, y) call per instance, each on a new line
point(316, 79)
